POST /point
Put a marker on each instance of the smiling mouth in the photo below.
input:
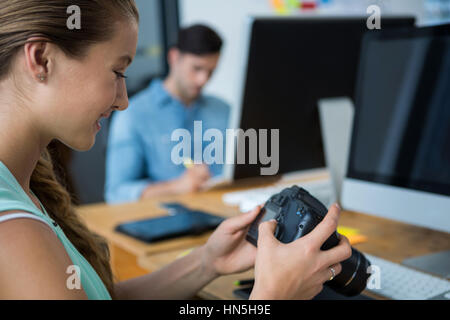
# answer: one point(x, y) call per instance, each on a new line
point(103, 115)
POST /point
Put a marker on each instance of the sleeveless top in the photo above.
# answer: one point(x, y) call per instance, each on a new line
point(14, 198)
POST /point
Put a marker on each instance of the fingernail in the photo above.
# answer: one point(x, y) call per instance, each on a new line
point(337, 206)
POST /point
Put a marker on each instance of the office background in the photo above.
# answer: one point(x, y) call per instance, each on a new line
point(160, 20)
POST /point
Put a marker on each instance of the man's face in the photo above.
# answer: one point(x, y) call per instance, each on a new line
point(192, 72)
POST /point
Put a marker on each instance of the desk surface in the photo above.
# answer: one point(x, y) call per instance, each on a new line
point(387, 239)
point(102, 218)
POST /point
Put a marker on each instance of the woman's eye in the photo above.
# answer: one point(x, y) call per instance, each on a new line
point(120, 75)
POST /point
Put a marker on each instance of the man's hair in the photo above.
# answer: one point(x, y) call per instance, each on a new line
point(199, 40)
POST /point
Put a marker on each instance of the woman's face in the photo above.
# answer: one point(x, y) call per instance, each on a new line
point(81, 92)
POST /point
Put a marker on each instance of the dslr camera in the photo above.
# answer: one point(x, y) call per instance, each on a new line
point(298, 213)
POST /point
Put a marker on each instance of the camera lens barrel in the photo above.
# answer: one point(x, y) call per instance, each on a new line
point(353, 278)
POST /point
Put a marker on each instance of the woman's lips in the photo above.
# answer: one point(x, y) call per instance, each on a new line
point(106, 115)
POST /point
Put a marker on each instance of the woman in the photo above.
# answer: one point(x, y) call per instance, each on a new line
point(57, 83)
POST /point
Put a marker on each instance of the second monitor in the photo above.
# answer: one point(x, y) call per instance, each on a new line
point(291, 63)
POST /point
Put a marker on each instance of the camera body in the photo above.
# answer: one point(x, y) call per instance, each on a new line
point(297, 213)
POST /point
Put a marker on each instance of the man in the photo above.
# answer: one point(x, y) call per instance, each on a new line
point(139, 163)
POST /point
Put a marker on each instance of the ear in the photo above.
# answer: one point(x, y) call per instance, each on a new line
point(173, 55)
point(37, 58)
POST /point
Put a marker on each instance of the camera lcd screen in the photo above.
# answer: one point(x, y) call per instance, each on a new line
point(270, 214)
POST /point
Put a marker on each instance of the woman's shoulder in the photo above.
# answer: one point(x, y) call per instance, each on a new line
point(33, 262)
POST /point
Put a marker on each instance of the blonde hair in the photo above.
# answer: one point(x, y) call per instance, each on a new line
point(22, 19)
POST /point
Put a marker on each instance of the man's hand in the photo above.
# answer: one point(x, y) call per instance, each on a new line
point(192, 179)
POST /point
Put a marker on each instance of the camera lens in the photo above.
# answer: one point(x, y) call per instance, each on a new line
point(353, 278)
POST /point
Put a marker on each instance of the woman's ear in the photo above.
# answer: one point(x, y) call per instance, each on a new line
point(37, 52)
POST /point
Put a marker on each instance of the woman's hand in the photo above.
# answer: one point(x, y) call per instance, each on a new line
point(227, 251)
point(297, 270)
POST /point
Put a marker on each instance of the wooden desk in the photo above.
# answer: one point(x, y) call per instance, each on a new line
point(387, 239)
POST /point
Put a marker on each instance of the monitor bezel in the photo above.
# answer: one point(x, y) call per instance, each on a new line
point(395, 181)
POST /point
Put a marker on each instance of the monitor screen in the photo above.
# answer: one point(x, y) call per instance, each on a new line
point(291, 64)
point(401, 133)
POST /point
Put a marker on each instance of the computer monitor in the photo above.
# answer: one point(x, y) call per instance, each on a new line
point(288, 65)
point(399, 163)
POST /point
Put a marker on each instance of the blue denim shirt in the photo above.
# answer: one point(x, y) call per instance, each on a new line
point(140, 144)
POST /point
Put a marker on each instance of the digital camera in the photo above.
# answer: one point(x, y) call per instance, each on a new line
point(298, 213)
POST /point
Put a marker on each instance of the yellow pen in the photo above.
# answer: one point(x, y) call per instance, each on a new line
point(188, 163)
point(185, 253)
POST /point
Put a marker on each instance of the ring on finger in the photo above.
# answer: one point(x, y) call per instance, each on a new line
point(333, 273)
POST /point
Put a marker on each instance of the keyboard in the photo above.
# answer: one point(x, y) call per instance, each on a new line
point(402, 283)
point(250, 198)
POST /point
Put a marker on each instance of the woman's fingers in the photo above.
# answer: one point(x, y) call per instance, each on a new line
point(266, 232)
point(325, 228)
point(331, 272)
point(242, 221)
point(339, 253)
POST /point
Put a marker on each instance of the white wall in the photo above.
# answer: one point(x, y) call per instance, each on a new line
point(228, 18)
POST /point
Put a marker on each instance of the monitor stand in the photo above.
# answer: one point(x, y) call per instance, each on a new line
point(436, 263)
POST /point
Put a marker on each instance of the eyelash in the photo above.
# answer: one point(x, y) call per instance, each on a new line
point(120, 75)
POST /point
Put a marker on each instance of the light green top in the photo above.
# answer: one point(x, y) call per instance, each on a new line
point(14, 198)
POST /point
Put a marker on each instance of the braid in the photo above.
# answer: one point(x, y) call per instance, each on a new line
point(58, 204)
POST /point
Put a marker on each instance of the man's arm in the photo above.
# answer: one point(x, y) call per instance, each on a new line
point(125, 161)
point(191, 180)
